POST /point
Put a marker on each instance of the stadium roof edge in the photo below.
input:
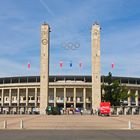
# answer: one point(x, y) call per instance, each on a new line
point(129, 77)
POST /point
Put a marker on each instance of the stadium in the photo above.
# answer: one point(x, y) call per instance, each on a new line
point(30, 94)
point(21, 95)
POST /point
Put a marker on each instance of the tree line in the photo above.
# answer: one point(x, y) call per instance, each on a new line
point(114, 91)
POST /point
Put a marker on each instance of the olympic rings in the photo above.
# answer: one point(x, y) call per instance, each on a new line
point(71, 45)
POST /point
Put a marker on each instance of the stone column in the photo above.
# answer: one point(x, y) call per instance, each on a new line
point(55, 97)
point(18, 97)
point(103, 92)
point(137, 97)
point(64, 98)
point(2, 100)
point(84, 98)
point(96, 78)
point(18, 101)
point(129, 98)
point(27, 97)
point(44, 69)
point(74, 99)
point(10, 97)
point(35, 97)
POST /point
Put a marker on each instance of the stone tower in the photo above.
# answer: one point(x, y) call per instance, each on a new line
point(44, 68)
point(96, 79)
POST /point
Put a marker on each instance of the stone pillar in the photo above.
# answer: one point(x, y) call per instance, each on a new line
point(96, 78)
point(35, 97)
point(55, 97)
point(74, 99)
point(129, 98)
point(44, 69)
point(84, 98)
point(27, 97)
point(18, 102)
point(64, 98)
point(137, 97)
point(103, 91)
point(18, 97)
point(2, 103)
point(10, 97)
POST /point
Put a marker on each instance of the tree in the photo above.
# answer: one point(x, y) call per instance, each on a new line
point(114, 92)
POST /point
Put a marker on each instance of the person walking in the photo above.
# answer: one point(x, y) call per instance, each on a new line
point(91, 111)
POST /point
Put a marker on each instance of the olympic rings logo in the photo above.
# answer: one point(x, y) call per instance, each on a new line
point(71, 45)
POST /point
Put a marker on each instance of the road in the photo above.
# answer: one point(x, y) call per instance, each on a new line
point(69, 134)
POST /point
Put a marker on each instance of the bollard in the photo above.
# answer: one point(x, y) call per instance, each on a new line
point(129, 125)
point(5, 124)
point(117, 111)
point(21, 124)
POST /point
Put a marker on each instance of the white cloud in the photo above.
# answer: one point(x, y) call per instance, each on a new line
point(44, 4)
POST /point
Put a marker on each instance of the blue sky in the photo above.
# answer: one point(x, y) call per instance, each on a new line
point(70, 21)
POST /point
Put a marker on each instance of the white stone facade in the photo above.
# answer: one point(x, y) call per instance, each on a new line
point(23, 97)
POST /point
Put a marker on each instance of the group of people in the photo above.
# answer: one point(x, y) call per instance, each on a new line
point(70, 110)
point(96, 112)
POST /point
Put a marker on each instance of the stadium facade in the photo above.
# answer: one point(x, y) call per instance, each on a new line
point(21, 95)
point(25, 95)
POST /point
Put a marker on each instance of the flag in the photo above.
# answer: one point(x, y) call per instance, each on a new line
point(112, 65)
point(70, 63)
point(61, 64)
point(29, 65)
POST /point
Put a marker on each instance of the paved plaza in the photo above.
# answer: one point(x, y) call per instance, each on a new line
point(70, 122)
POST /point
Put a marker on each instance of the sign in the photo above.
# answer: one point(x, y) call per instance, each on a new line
point(105, 108)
